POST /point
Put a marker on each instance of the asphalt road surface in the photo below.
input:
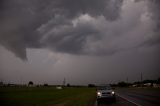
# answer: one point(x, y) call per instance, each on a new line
point(134, 97)
point(141, 97)
point(119, 102)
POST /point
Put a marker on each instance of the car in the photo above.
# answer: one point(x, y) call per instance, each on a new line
point(105, 92)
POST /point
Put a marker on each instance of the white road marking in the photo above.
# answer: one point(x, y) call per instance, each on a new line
point(96, 103)
point(128, 100)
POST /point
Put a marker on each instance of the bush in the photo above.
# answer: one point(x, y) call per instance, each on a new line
point(122, 84)
point(30, 83)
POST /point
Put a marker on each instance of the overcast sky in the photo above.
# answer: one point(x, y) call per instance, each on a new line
point(83, 41)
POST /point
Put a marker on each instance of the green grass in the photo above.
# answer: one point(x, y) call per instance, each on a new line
point(46, 96)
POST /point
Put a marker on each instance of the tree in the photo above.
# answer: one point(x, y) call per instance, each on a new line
point(45, 84)
point(91, 85)
point(158, 81)
point(30, 83)
point(68, 85)
point(122, 84)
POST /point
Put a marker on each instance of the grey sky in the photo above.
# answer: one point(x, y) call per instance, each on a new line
point(85, 41)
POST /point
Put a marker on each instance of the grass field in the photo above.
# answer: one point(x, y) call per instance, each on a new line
point(46, 96)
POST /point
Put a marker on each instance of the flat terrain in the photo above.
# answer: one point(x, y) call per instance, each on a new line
point(46, 96)
point(76, 96)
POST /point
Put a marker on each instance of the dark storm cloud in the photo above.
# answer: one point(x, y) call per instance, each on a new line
point(20, 20)
point(71, 40)
point(77, 38)
point(108, 8)
point(154, 9)
point(71, 26)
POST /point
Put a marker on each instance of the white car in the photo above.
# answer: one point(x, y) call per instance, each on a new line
point(105, 92)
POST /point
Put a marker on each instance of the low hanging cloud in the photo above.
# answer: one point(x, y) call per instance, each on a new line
point(91, 27)
point(20, 20)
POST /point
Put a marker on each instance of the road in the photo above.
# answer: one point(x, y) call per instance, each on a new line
point(134, 97)
point(119, 102)
point(142, 97)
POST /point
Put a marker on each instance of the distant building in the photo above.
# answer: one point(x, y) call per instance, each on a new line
point(147, 84)
point(156, 85)
point(58, 87)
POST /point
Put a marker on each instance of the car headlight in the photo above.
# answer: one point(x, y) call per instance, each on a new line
point(113, 92)
point(99, 93)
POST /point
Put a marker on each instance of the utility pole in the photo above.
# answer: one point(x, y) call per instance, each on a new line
point(127, 79)
point(141, 77)
point(64, 82)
